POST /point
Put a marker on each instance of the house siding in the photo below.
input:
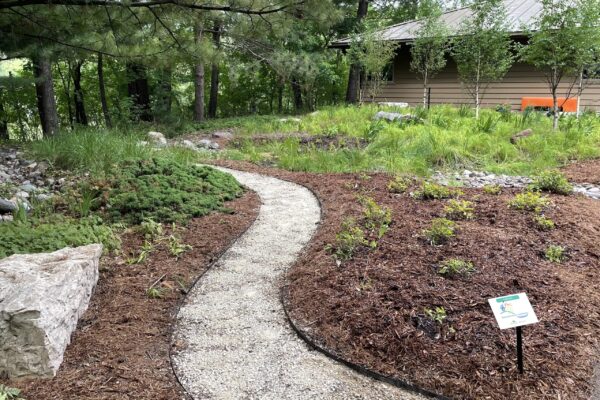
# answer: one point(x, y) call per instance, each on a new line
point(521, 81)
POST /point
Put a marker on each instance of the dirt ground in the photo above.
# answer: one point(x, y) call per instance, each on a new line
point(584, 172)
point(120, 349)
point(370, 310)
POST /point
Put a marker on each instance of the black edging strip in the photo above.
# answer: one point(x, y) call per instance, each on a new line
point(184, 299)
point(356, 367)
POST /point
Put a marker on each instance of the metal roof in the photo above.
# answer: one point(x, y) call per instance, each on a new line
point(520, 14)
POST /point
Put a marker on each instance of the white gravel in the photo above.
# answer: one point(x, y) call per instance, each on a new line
point(239, 344)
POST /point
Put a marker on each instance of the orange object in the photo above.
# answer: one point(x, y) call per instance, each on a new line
point(565, 105)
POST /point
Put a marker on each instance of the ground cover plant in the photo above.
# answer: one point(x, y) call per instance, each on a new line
point(447, 139)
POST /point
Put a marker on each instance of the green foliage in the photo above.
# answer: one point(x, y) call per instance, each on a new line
point(552, 181)
point(459, 209)
point(166, 191)
point(377, 219)
point(177, 247)
point(9, 393)
point(437, 314)
point(399, 184)
point(492, 189)
point(435, 191)
point(143, 254)
point(556, 254)
point(348, 240)
point(155, 292)
point(487, 122)
point(483, 49)
point(543, 223)
point(150, 229)
point(441, 231)
point(529, 201)
point(54, 233)
point(454, 266)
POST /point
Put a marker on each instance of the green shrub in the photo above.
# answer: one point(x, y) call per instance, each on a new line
point(434, 191)
point(438, 314)
point(377, 218)
point(556, 254)
point(454, 266)
point(552, 181)
point(47, 235)
point(459, 209)
point(441, 231)
point(543, 223)
point(492, 189)
point(348, 240)
point(150, 229)
point(529, 201)
point(399, 184)
point(166, 191)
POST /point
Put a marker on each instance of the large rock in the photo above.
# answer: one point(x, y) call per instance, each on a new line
point(7, 206)
point(157, 138)
point(42, 297)
point(389, 116)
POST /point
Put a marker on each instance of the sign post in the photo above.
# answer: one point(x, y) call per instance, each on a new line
point(514, 311)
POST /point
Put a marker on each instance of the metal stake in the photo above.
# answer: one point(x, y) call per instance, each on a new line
point(520, 349)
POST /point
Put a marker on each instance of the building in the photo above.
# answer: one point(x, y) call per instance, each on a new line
point(521, 81)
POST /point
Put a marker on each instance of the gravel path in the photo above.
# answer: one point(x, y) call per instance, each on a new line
point(239, 344)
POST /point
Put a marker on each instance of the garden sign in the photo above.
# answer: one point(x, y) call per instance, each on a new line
point(514, 311)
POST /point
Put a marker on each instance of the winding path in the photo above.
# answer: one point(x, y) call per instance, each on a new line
point(239, 344)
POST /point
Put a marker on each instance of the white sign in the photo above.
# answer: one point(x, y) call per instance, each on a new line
point(512, 311)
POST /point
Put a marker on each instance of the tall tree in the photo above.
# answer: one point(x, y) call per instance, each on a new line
point(3, 118)
point(102, 91)
point(198, 79)
point(566, 42)
point(483, 49)
point(428, 51)
point(214, 73)
point(352, 92)
point(80, 114)
point(44, 89)
point(138, 90)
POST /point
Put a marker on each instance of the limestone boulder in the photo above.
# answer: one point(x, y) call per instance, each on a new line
point(42, 296)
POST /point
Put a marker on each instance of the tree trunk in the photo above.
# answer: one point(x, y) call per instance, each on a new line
point(102, 90)
point(297, 95)
point(354, 84)
point(80, 115)
point(3, 120)
point(280, 98)
point(555, 82)
point(44, 89)
point(199, 82)
point(66, 85)
point(139, 92)
point(214, 74)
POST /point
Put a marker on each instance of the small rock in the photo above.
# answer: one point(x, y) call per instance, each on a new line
point(157, 138)
point(7, 206)
point(28, 188)
point(188, 144)
point(208, 144)
point(222, 135)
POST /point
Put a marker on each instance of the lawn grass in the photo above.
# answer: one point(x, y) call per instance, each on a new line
point(449, 138)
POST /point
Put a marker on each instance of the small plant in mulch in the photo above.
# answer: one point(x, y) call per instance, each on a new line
point(142, 255)
point(177, 247)
point(529, 201)
point(348, 240)
point(555, 254)
point(441, 231)
point(543, 223)
point(377, 219)
point(433, 322)
point(552, 181)
point(437, 314)
point(150, 229)
point(435, 191)
point(155, 292)
point(399, 184)
point(459, 210)
point(455, 267)
point(10, 393)
point(492, 189)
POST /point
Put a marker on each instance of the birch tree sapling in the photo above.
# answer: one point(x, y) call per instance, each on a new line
point(428, 51)
point(483, 49)
point(565, 42)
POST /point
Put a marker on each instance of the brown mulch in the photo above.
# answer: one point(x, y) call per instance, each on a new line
point(583, 171)
point(370, 310)
point(120, 349)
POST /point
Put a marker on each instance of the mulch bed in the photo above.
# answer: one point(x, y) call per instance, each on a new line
point(584, 172)
point(368, 309)
point(121, 347)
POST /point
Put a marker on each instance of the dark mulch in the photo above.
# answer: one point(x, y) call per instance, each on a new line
point(368, 310)
point(120, 349)
point(304, 139)
point(584, 171)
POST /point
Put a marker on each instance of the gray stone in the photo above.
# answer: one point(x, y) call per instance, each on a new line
point(42, 296)
point(157, 138)
point(222, 135)
point(393, 104)
point(7, 206)
point(395, 117)
point(188, 144)
point(28, 188)
point(208, 144)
